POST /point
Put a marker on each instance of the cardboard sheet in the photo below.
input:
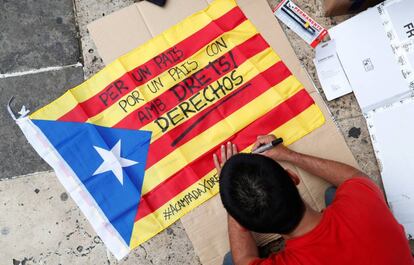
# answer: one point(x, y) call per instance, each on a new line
point(206, 226)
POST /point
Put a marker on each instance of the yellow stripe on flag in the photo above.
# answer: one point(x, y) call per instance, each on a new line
point(113, 114)
point(154, 223)
point(219, 132)
point(56, 109)
point(291, 131)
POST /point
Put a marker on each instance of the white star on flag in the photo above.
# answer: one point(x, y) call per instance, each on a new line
point(112, 161)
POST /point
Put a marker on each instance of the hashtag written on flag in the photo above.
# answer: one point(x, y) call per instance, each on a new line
point(133, 145)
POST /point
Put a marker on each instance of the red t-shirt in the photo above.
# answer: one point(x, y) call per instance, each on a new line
point(358, 228)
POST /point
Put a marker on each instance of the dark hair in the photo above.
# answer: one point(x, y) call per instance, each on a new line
point(260, 194)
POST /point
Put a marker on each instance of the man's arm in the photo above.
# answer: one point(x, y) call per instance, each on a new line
point(334, 172)
point(242, 244)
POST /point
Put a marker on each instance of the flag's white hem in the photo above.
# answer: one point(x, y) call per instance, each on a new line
point(109, 235)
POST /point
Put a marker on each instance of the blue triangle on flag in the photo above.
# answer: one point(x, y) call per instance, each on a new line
point(116, 187)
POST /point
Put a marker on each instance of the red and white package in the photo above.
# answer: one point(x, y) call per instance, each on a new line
point(300, 22)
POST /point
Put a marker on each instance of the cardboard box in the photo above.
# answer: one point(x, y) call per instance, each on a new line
point(120, 32)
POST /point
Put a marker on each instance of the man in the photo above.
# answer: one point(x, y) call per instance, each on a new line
point(261, 196)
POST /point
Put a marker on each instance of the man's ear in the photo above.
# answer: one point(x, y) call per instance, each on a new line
point(293, 176)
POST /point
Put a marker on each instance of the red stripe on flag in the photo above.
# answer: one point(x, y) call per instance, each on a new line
point(197, 169)
point(151, 110)
point(259, 84)
point(77, 114)
point(139, 76)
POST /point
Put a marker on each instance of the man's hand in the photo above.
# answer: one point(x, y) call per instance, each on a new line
point(279, 152)
point(226, 152)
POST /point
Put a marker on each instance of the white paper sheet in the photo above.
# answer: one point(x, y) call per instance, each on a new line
point(402, 16)
point(392, 130)
point(368, 60)
point(330, 72)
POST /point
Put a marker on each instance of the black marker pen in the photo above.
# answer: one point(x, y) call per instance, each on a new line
point(268, 146)
point(304, 24)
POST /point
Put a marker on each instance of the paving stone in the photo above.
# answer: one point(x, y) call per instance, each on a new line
point(44, 226)
point(34, 91)
point(37, 34)
point(86, 12)
point(357, 137)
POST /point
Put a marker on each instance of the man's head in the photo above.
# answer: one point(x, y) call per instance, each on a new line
point(260, 194)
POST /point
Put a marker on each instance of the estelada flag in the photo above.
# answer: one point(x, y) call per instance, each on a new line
point(133, 145)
